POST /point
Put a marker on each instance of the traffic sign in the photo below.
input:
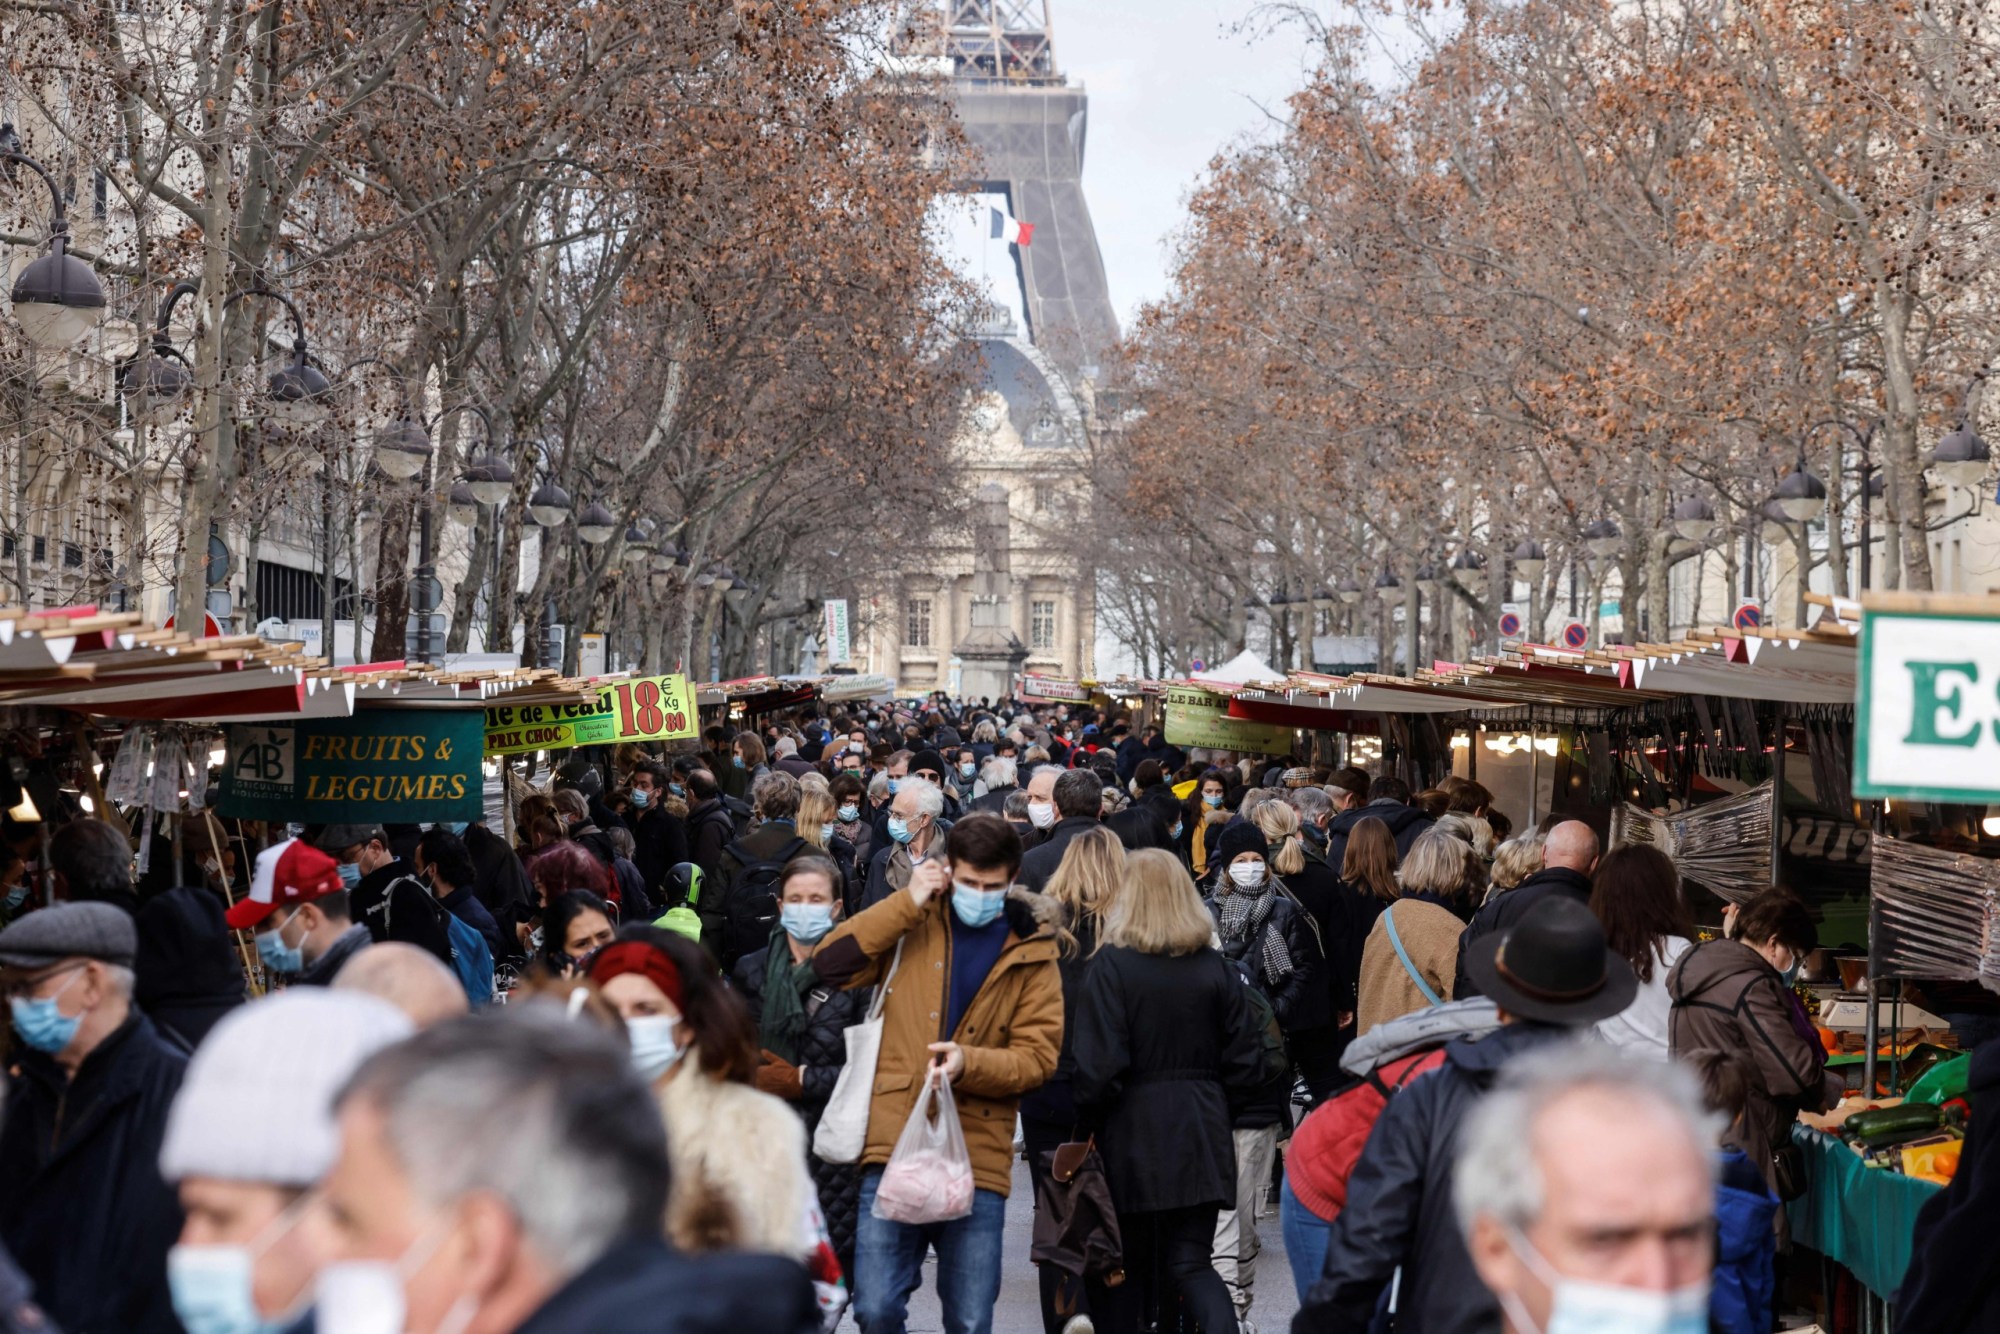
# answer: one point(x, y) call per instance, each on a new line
point(1510, 624)
point(1575, 635)
point(1748, 616)
point(210, 627)
point(1197, 666)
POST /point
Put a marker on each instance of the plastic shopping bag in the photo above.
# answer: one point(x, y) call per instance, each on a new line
point(929, 1176)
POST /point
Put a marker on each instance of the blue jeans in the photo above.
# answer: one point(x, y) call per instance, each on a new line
point(889, 1263)
point(1306, 1238)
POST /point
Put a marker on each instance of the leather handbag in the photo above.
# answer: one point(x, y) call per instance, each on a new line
point(1076, 1224)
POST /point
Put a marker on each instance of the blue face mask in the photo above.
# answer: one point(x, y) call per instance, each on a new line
point(967, 770)
point(640, 796)
point(654, 1049)
point(849, 814)
point(977, 907)
point(279, 957)
point(350, 874)
point(41, 1025)
point(737, 760)
point(1212, 799)
point(1175, 832)
point(210, 1287)
point(894, 784)
point(677, 789)
point(900, 830)
point(458, 827)
point(16, 896)
point(826, 832)
point(806, 922)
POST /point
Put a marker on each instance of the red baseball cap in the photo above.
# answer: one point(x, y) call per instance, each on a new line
point(288, 873)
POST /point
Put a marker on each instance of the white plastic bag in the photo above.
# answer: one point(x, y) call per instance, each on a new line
point(929, 1176)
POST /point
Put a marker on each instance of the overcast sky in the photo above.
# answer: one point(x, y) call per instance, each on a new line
point(1169, 85)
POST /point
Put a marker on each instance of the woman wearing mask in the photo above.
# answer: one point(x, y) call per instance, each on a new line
point(1207, 814)
point(1736, 994)
point(575, 925)
point(1313, 1034)
point(738, 1156)
point(850, 820)
point(821, 831)
point(1081, 890)
point(802, 1027)
point(748, 759)
point(1164, 1043)
point(1636, 893)
point(1411, 957)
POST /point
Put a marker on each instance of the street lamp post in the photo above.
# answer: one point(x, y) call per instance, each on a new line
point(57, 298)
point(426, 577)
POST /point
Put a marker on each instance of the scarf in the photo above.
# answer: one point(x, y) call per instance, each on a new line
point(1244, 914)
point(786, 986)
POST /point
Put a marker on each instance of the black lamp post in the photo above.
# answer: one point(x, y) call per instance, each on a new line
point(57, 298)
point(425, 581)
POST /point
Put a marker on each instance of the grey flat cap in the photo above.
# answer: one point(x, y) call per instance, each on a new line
point(70, 931)
point(338, 838)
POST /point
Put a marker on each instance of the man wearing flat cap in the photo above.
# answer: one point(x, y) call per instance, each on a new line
point(82, 1204)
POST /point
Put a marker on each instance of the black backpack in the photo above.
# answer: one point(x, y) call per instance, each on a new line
point(750, 912)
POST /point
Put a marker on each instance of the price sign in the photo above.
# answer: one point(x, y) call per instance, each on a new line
point(651, 708)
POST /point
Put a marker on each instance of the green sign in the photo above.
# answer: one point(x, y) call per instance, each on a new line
point(652, 708)
point(1927, 717)
point(1197, 717)
point(412, 766)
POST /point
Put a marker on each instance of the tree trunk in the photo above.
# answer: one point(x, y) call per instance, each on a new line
point(1905, 466)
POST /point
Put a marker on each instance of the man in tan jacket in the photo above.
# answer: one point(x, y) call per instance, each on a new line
point(975, 992)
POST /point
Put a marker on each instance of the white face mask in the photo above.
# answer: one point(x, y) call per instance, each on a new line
point(1247, 875)
point(366, 1296)
point(653, 1043)
point(1580, 1307)
point(1042, 813)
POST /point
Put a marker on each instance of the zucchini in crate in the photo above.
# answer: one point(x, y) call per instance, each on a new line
point(1885, 1123)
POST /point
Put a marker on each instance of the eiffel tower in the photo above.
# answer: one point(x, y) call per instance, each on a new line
point(1027, 121)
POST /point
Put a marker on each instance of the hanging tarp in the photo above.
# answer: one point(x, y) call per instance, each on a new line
point(1935, 913)
point(1723, 846)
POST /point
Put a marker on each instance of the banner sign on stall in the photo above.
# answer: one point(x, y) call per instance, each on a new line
point(649, 708)
point(1197, 717)
point(382, 766)
point(1927, 718)
point(839, 636)
point(1053, 690)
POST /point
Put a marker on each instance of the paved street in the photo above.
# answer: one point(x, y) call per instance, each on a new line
point(1019, 1311)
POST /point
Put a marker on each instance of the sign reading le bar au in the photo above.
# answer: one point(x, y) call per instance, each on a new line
point(651, 708)
point(1197, 717)
point(1927, 721)
point(410, 766)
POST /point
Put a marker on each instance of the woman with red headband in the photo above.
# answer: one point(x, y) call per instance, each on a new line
point(738, 1156)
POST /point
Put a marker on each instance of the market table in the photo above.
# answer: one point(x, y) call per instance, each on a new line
point(1858, 1216)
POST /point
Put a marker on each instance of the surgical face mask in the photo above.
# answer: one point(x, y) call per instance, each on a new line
point(826, 832)
point(1175, 832)
point(1578, 1307)
point(737, 760)
point(350, 874)
point(899, 829)
point(806, 922)
point(654, 1049)
point(849, 813)
point(640, 796)
point(211, 1286)
point(16, 896)
point(1041, 814)
point(1211, 799)
point(678, 789)
point(1791, 974)
point(278, 956)
point(894, 784)
point(458, 827)
point(1247, 875)
point(967, 770)
point(366, 1296)
point(976, 907)
point(43, 1026)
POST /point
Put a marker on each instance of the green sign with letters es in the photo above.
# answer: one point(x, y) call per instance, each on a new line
point(1927, 708)
point(413, 766)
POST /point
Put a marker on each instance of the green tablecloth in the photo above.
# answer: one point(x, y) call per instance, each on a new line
point(1858, 1216)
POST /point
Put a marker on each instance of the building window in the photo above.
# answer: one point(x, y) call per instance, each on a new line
point(917, 624)
point(1042, 626)
point(72, 556)
point(1044, 496)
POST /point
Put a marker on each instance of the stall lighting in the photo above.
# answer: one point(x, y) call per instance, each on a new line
point(89, 806)
point(24, 812)
point(1460, 741)
point(1990, 826)
point(216, 757)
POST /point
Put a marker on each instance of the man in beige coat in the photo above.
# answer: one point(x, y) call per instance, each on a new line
point(975, 994)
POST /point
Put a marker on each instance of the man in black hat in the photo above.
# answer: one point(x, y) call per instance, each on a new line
point(1550, 975)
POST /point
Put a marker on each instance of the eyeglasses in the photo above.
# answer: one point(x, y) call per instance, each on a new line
point(24, 987)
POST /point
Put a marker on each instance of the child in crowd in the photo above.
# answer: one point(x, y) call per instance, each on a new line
point(1746, 1244)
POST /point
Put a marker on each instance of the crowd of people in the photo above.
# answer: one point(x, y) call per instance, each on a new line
point(596, 1078)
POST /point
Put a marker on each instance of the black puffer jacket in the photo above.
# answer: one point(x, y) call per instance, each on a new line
point(82, 1203)
point(1399, 1209)
point(640, 1285)
point(1405, 823)
point(1302, 997)
point(822, 1056)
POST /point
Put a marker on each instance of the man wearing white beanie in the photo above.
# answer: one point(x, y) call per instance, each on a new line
point(250, 1135)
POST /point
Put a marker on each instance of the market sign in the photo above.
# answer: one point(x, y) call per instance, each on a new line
point(651, 708)
point(381, 766)
point(1927, 720)
point(839, 632)
point(1197, 717)
point(1053, 690)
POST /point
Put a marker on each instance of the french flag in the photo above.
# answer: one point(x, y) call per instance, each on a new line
point(1007, 229)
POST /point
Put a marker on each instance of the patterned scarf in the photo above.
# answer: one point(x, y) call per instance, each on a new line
point(786, 986)
point(1244, 913)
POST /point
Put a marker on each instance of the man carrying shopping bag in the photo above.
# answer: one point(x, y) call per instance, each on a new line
point(975, 992)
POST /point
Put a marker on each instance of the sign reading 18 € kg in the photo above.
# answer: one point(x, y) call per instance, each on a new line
point(1927, 718)
point(650, 708)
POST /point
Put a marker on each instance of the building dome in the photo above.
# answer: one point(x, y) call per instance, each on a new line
point(1039, 404)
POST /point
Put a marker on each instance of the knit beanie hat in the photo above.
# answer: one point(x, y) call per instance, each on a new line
point(1238, 837)
point(256, 1103)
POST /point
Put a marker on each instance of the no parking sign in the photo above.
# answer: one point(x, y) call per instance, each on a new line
point(1575, 635)
point(1510, 624)
point(1749, 616)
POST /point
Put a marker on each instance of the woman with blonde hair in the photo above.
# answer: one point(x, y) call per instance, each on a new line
point(1516, 859)
point(1412, 952)
point(1077, 898)
point(818, 827)
point(1164, 1038)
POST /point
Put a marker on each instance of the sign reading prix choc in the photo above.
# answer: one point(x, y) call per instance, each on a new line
point(1927, 719)
point(652, 708)
point(1197, 717)
point(409, 766)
